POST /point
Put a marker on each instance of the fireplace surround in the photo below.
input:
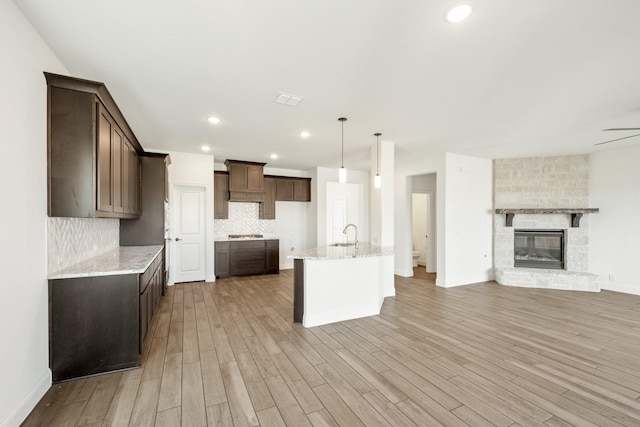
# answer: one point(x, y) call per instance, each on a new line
point(543, 193)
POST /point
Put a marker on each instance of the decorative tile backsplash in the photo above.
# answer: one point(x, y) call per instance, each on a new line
point(72, 240)
point(243, 219)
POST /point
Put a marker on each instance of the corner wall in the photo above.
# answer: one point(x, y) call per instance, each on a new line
point(24, 323)
point(468, 220)
point(464, 201)
point(614, 187)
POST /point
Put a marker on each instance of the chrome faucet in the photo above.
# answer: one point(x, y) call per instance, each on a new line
point(355, 228)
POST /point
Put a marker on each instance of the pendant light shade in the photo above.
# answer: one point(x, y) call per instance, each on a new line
point(342, 172)
point(377, 181)
point(342, 175)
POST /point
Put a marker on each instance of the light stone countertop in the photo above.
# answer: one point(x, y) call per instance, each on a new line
point(225, 238)
point(365, 249)
point(121, 260)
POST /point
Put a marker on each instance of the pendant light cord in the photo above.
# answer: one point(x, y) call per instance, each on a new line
point(342, 120)
point(377, 152)
point(342, 149)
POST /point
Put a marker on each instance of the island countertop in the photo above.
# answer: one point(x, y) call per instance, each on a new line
point(121, 260)
point(364, 249)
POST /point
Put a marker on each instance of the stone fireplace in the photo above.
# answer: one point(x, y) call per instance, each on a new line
point(540, 195)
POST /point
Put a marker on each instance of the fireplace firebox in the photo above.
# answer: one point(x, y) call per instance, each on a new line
point(539, 249)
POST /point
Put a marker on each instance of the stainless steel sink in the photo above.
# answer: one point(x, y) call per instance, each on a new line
point(342, 244)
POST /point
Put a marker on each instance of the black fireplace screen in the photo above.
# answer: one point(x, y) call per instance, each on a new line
point(539, 249)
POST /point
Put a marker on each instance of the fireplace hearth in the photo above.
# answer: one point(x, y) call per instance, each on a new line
point(539, 249)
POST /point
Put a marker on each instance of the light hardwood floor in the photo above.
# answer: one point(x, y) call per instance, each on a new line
point(227, 353)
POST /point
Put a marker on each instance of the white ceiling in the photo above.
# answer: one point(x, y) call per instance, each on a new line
point(518, 78)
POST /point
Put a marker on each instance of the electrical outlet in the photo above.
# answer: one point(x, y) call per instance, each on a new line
point(612, 277)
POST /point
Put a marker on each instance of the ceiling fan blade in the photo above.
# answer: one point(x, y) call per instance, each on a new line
point(622, 129)
point(618, 139)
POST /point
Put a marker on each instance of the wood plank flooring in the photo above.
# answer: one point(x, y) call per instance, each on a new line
point(228, 354)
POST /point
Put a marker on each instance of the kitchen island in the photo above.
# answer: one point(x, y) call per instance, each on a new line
point(336, 283)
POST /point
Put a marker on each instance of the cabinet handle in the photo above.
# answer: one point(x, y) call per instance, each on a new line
point(177, 239)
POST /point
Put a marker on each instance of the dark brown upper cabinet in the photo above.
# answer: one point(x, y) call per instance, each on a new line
point(246, 181)
point(293, 189)
point(93, 164)
point(149, 227)
point(268, 205)
point(220, 195)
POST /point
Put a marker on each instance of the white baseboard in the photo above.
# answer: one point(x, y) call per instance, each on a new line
point(619, 287)
point(19, 414)
point(403, 273)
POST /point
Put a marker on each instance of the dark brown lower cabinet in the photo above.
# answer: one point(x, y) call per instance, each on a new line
point(98, 324)
point(246, 258)
point(272, 257)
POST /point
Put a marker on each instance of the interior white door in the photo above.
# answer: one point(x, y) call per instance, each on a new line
point(344, 203)
point(188, 234)
point(338, 220)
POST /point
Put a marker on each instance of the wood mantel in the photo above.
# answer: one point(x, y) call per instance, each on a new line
point(576, 213)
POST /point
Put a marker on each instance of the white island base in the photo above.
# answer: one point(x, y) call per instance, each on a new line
point(336, 284)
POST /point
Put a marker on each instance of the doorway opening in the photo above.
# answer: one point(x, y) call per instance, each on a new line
point(423, 226)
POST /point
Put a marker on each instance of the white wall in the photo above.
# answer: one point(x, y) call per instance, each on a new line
point(290, 226)
point(195, 170)
point(24, 320)
point(464, 217)
point(468, 220)
point(382, 199)
point(614, 187)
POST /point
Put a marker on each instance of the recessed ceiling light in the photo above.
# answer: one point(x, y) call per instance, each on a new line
point(304, 134)
point(205, 148)
point(459, 12)
point(214, 120)
point(274, 156)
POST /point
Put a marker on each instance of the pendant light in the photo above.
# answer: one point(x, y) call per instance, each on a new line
point(342, 172)
point(377, 181)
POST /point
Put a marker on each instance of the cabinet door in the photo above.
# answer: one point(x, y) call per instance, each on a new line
point(302, 190)
point(222, 259)
point(284, 190)
point(237, 177)
point(126, 176)
point(104, 161)
point(220, 196)
point(255, 178)
point(135, 183)
point(268, 206)
point(273, 256)
point(117, 145)
point(247, 258)
point(144, 316)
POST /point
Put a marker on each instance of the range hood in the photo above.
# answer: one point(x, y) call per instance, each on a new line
point(246, 181)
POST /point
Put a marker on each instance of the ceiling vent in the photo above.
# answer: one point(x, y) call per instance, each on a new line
point(288, 99)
